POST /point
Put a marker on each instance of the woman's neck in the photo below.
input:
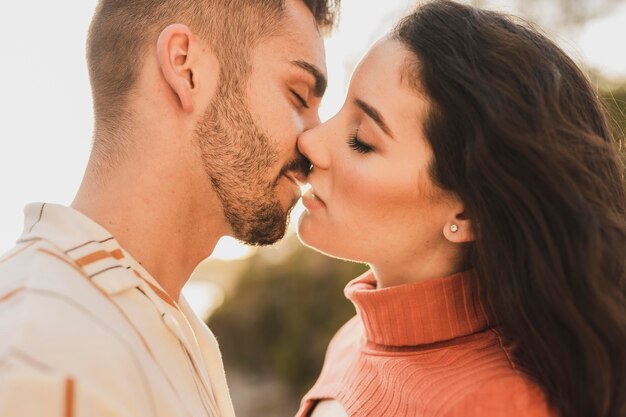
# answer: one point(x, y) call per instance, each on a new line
point(391, 273)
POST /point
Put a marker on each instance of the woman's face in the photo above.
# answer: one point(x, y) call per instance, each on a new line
point(372, 199)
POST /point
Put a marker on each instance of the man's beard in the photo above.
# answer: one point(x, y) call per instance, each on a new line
point(237, 157)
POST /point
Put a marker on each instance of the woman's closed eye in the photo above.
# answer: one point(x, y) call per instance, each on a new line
point(358, 145)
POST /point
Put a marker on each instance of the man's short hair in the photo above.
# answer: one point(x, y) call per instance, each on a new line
point(121, 30)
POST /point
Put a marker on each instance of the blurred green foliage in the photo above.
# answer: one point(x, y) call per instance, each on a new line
point(283, 314)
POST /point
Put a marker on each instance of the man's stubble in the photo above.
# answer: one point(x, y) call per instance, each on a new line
point(238, 157)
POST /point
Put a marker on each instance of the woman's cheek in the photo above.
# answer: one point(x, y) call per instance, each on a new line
point(360, 194)
point(357, 181)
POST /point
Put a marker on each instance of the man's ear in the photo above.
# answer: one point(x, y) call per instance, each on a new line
point(181, 56)
point(458, 228)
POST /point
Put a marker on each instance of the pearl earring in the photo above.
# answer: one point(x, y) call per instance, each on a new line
point(454, 228)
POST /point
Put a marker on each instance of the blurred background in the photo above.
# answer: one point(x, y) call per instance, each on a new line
point(273, 309)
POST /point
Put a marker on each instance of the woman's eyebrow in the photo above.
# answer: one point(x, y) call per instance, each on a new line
point(375, 115)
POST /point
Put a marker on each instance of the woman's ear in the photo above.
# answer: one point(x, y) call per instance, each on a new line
point(182, 58)
point(458, 229)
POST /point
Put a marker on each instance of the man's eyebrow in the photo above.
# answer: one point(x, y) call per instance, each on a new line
point(320, 78)
point(375, 116)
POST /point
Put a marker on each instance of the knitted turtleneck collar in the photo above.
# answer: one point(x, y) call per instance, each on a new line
point(425, 312)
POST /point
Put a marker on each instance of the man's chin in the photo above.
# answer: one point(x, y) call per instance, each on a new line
point(266, 239)
point(264, 225)
point(265, 234)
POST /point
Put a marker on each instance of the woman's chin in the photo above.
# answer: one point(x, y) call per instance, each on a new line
point(310, 236)
point(306, 231)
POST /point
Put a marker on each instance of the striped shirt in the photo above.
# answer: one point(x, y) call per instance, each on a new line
point(86, 331)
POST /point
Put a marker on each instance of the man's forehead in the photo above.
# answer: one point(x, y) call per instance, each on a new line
point(301, 34)
point(297, 47)
point(298, 50)
point(294, 52)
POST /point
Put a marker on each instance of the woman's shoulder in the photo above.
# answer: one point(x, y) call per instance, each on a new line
point(348, 335)
point(513, 395)
point(495, 386)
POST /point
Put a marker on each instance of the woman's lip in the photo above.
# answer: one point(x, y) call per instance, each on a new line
point(312, 200)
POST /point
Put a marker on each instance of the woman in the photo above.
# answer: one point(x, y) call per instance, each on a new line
point(472, 168)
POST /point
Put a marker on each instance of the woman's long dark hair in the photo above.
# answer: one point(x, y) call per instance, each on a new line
point(520, 135)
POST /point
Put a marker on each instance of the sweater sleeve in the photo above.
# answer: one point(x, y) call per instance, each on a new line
point(512, 396)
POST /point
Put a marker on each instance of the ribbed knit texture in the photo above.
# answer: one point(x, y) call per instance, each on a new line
point(423, 349)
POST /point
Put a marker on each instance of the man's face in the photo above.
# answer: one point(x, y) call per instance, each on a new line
point(248, 136)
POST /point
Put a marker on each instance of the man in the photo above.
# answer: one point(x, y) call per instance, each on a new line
point(198, 105)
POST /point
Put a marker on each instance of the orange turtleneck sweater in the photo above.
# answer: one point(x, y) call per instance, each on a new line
point(424, 349)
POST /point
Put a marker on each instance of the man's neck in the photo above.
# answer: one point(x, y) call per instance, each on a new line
point(158, 215)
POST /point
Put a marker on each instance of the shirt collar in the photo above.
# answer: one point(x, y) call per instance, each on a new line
point(425, 312)
point(66, 227)
point(88, 244)
point(98, 255)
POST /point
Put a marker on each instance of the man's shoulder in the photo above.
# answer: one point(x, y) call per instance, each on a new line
point(54, 321)
point(32, 261)
point(47, 302)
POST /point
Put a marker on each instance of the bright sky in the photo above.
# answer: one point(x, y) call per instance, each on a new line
point(45, 103)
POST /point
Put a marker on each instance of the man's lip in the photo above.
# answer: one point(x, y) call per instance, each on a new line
point(296, 177)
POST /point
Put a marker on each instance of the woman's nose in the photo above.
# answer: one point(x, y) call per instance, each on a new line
point(313, 146)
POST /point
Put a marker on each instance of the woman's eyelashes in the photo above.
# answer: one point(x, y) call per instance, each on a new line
point(358, 145)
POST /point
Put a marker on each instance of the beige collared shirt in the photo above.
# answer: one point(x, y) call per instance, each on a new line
point(86, 331)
